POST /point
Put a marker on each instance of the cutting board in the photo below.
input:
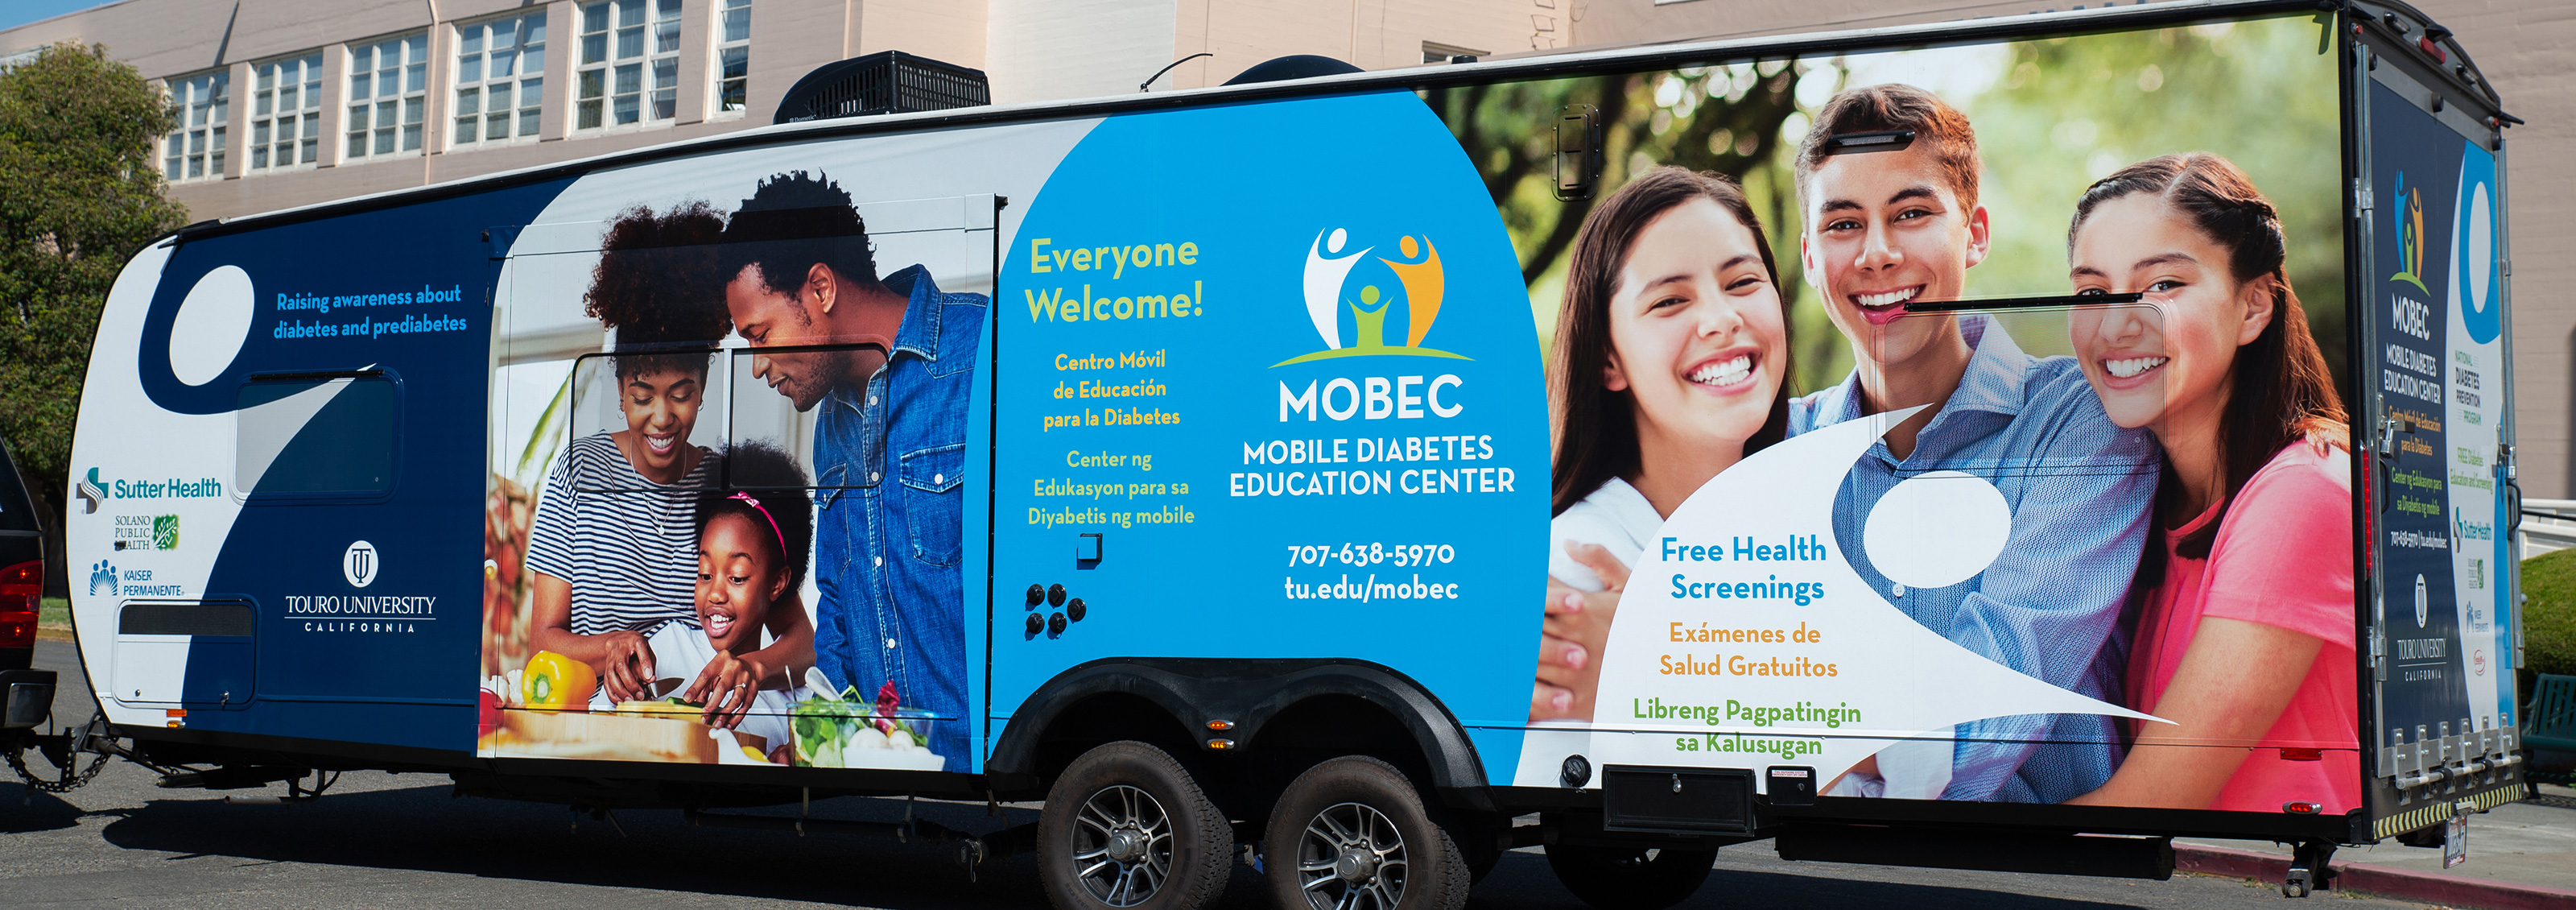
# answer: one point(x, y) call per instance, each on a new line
point(674, 739)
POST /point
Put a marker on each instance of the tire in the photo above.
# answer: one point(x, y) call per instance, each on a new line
point(1627, 878)
point(1352, 834)
point(1125, 827)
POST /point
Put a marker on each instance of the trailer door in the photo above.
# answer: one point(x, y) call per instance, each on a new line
point(875, 505)
point(2440, 419)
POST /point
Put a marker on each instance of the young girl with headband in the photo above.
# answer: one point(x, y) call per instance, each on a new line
point(752, 544)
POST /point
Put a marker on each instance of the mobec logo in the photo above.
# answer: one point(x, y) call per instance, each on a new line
point(360, 565)
point(2410, 235)
point(1418, 278)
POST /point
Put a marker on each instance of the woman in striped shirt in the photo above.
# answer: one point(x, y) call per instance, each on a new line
point(612, 542)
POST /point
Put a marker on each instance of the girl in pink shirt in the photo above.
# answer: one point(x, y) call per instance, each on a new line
point(2245, 640)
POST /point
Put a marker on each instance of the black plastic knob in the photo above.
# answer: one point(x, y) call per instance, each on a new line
point(1037, 624)
point(1036, 593)
point(1055, 624)
point(1074, 609)
point(1055, 595)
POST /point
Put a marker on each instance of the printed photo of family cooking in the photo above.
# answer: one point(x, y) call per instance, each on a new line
point(791, 598)
point(1758, 262)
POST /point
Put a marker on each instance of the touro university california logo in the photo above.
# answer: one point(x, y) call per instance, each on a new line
point(359, 564)
point(1419, 280)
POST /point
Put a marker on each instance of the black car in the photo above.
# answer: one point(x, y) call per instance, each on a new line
point(22, 588)
point(22, 568)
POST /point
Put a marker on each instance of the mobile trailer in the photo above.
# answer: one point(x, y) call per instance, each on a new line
point(283, 473)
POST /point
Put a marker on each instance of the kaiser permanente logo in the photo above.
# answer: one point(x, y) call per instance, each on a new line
point(2410, 236)
point(92, 490)
point(1327, 293)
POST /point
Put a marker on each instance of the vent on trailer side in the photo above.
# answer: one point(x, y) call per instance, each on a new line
point(885, 82)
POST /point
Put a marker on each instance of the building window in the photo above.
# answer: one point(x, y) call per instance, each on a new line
point(500, 89)
point(388, 88)
point(286, 113)
point(630, 63)
point(195, 151)
point(733, 56)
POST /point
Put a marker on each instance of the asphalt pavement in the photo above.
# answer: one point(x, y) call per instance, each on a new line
point(380, 839)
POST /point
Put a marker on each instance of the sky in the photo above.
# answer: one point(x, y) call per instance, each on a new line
point(14, 13)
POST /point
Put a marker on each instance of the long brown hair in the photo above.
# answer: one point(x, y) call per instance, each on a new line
point(1596, 428)
point(2281, 391)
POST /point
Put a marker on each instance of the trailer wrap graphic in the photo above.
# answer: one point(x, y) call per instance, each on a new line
point(2440, 380)
point(829, 454)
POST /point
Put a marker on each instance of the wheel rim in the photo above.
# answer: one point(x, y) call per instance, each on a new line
point(1122, 846)
point(1351, 858)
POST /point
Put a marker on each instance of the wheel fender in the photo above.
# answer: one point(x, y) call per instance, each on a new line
point(1249, 693)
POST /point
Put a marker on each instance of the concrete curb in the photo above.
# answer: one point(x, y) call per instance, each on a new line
point(2482, 894)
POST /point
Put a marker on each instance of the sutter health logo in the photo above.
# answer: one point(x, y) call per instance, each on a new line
point(92, 490)
point(1419, 283)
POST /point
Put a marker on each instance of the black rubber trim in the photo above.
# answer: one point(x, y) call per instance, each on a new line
point(2053, 302)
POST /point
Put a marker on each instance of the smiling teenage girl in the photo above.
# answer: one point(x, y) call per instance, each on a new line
point(2247, 634)
point(1672, 362)
point(611, 543)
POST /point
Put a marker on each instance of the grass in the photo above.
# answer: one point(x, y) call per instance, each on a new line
point(2549, 618)
point(56, 613)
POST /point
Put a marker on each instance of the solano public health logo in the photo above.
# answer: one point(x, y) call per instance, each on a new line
point(147, 532)
point(1417, 283)
point(2410, 235)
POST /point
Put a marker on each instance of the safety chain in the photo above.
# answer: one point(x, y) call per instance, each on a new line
point(72, 779)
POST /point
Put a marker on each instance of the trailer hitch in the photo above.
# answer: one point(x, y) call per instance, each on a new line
point(63, 751)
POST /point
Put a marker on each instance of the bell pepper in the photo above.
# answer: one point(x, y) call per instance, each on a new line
point(555, 682)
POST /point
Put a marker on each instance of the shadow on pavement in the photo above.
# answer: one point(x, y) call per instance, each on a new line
point(423, 829)
point(23, 811)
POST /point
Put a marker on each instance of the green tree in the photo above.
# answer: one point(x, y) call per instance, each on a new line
point(1723, 118)
point(79, 193)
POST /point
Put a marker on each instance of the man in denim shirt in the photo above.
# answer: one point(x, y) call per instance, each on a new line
point(1889, 228)
point(889, 442)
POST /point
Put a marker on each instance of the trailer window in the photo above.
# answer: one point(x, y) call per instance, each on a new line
point(674, 391)
point(769, 414)
point(316, 434)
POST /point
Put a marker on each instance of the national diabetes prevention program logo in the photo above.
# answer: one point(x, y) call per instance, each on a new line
point(1419, 283)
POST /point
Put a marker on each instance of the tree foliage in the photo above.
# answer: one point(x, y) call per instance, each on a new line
point(2051, 115)
point(1720, 118)
point(79, 194)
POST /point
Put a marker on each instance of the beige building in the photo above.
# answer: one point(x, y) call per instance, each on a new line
point(289, 102)
point(297, 101)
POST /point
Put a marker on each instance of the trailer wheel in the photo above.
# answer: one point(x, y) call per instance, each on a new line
point(1125, 826)
point(1629, 878)
point(1352, 834)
